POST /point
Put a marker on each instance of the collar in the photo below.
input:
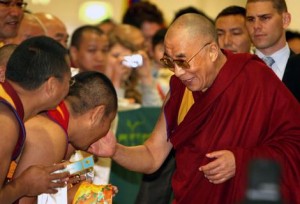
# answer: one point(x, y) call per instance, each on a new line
point(281, 57)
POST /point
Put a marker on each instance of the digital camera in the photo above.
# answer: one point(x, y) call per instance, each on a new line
point(133, 61)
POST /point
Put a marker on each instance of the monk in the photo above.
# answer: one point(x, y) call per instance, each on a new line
point(37, 79)
point(223, 111)
point(81, 119)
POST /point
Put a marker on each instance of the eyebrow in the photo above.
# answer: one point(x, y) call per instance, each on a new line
point(259, 15)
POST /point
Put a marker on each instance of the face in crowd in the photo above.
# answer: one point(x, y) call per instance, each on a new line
point(232, 33)
point(11, 14)
point(91, 54)
point(266, 25)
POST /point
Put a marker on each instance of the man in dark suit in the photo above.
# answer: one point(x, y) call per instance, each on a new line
point(266, 23)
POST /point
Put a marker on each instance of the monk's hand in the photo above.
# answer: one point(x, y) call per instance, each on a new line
point(43, 179)
point(221, 168)
point(105, 146)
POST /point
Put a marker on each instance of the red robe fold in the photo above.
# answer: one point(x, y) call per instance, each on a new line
point(248, 111)
point(60, 115)
point(9, 97)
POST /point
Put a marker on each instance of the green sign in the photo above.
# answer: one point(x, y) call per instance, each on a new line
point(134, 127)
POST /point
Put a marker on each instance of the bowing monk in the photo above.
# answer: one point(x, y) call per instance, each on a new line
point(222, 111)
point(37, 79)
point(81, 119)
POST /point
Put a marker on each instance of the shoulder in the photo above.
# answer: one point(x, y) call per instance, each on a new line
point(294, 60)
point(8, 119)
point(44, 132)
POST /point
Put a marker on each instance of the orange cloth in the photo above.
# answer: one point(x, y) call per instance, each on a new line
point(89, 193)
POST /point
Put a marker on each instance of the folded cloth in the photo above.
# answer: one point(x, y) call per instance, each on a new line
point(89, 193)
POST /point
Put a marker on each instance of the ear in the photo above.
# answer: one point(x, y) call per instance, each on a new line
point(97, 114)
point(286, 19)
point(74, 55)
point(49, 86)
point(213, 51)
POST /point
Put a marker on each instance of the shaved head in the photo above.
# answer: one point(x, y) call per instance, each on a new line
point(55, 28)
point(195, 26)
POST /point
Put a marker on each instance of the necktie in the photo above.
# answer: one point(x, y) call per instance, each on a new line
point(269, 61)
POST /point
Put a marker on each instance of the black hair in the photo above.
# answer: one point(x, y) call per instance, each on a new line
point(232, 10)
point(35, 60)
point(77, 34)
point(289, 35)
point(142, 11)
point(159, 37)
point(91, 89)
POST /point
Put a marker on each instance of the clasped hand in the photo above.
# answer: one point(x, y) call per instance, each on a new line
point(221, 169)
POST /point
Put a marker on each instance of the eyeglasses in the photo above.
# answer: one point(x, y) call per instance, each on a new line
point(19, 4)
point(184, 64)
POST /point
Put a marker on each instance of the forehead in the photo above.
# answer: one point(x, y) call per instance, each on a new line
point(230, 21)
point(260, 8)
point(179, 44)
point(93, 38)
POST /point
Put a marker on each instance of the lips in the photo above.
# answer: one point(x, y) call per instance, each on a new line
point(259, 35)
point(187, 81)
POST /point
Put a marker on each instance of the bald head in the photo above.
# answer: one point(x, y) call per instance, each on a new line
point(195, 26)
point(55, 28)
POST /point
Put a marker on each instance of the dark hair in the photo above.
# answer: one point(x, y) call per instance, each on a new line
point(77, 34)
point(107, 20)
point(35, 60)
point(142, 11)
point(289, 35)
point(232, 10)
point(92, 89)
point(159, 37)
point(279, 5)
point(191, 9)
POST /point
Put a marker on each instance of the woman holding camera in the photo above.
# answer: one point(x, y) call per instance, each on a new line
point(130, 68)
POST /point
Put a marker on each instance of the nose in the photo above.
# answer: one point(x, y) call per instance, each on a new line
point(256, 25)
point(178, 71)
point(227, 40)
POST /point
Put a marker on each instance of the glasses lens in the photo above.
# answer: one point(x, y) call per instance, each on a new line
point(182, 64)
point(167, 63)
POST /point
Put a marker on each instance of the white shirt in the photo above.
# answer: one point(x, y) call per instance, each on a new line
point(280, 57)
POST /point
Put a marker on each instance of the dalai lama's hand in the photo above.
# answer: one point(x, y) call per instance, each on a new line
point(221, 168)
point(104, 147)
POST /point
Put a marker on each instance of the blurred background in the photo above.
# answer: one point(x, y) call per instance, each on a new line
point(75, 13)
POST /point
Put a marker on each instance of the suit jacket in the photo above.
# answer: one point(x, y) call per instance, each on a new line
point(291, 76)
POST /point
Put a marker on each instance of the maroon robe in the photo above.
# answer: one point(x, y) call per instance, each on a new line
point(60, 115)
point(248, 111)
point(9, 94)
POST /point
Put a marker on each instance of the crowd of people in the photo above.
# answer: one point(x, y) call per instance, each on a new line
point(228, 89)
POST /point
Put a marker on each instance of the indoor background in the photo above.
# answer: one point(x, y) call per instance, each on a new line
point(78, 12)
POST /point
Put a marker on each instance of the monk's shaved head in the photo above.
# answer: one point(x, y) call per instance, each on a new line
point(195, 26)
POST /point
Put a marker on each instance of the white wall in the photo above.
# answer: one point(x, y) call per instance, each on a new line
point(67, 9)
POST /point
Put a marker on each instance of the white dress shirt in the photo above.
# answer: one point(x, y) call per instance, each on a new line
point(280, 57)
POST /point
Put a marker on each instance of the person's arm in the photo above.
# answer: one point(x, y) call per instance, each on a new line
point(148, 157)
